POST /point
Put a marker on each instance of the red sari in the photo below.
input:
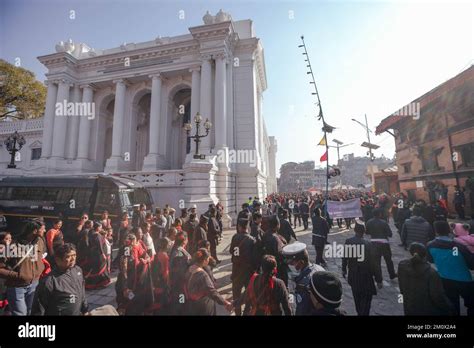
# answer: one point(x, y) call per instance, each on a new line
point(135, 275)
point(96, 272)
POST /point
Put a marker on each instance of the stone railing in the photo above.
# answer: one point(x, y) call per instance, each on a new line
point(7, 127)
point(163, 178)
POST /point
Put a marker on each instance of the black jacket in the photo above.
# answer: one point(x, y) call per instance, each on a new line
point(244, 255)
point(213, 229)
point(422, 289)
point(416, 229)
point(320, 228)
point(360, 276)
point(273, 245)
point(403, 214)
point(61, 293)
point(286, 231)
point(378, 229)
point(304, 208)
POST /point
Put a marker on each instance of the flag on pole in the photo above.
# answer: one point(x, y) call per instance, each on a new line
point(322, 142)
point(324, 157)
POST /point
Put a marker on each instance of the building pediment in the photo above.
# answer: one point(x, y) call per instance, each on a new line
point(36, 144)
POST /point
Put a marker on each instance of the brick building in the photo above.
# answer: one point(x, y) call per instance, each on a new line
point(434, 139)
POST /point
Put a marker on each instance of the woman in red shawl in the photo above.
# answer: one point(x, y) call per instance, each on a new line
point(266, 294)
point(134, 286)
point(96, 271)
point(160, 272)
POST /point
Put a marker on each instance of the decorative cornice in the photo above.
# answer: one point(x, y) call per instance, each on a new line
point(195, 68)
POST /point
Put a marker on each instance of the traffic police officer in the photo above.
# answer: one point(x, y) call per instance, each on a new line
point(297, 258)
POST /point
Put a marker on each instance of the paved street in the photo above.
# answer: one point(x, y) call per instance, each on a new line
point(384, 303)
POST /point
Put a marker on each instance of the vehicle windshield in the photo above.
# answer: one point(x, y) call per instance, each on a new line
point(132, 197)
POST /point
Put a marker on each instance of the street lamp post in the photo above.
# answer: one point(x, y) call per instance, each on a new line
point(11, 143)
point(339, 144)
point(197, 137)
point(371, 147)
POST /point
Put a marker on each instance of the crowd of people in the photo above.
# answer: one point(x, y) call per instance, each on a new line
point(165, 263)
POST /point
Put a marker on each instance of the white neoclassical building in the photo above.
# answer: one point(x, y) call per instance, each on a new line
point(122, 111)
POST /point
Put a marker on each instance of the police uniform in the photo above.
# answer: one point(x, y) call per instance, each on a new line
point(301, 301)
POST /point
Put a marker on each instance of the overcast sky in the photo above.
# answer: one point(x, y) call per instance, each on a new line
point(368, 57)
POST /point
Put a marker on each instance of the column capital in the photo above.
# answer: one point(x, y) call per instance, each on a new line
point(50, 82)
point(220, 55)
point(196, 68)
point(121, 81)
point(87, 85)
point(64, 81)
point(157, 75)
point(206, 56)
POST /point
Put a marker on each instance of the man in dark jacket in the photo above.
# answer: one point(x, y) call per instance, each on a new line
point(304, 211)
point(213, 232)
point(244, 260)
point(244, 213)
point(22, 273)
point(257, 232)
point(320, 236)
point(361, 275)
point(379, 231)
point(421, 286)
point(273, 244)
point(286, 231)
point(416, 229)
point(296, 214)
point(459, 202)
point(180, 260)
point(368, 210)
point(403, 214)
point(62, 291)
point(200, 233)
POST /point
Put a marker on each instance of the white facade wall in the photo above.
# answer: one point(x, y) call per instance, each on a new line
point(115, 145)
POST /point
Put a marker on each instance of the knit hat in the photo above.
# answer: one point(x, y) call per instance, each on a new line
point(327, 288)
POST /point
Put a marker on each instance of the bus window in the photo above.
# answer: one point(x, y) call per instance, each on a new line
point(106, 200)
point(50, 194)
point(64, 195)
point(124, 198)
point(82, 197)
point(138, 196)
point(5, 193)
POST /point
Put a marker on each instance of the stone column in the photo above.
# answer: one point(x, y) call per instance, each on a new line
point(220, 118)
point(116, 158)
point(195, 91)
point(220, 102)
point(85, 124)
point(48, 122)
point(73, 125)
point(205, 100)
point(154, 160)
point(60, 121)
